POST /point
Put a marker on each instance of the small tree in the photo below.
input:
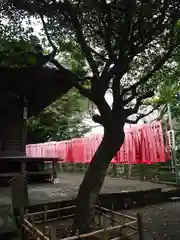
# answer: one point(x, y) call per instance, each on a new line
point(62, 120)
point(124, 43)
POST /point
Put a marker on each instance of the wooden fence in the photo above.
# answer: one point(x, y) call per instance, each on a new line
point(157, 172)
point(109, 224)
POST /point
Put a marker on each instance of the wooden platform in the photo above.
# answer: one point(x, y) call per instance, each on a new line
point(34, 168)
point(27, 173)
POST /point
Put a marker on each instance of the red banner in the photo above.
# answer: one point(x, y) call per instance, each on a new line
point(142, 144)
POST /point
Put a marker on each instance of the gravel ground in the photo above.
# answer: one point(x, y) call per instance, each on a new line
point(163, 220)
point(160, 221)
point(68, 185)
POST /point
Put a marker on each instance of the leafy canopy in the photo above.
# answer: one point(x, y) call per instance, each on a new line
point(124, 43)
point(62, 120)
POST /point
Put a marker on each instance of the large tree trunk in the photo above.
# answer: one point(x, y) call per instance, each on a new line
point(94, 178)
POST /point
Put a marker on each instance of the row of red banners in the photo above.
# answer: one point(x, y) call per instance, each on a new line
point(142, 144)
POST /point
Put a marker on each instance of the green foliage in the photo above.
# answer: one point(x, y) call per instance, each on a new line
point(71, 56)
point(87, 33)
point(17, 37)
point(63, 119)
point(168, 93)
point(166, 81)
point(132, 35)
point(121, 40)
point(18, 53)
point(121, 44)
point(60, 121)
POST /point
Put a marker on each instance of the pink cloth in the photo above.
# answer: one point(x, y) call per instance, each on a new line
point(142, 144)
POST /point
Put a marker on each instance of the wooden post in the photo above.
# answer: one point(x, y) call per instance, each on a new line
point(50, 232)
point(45, 212)
point(53, 170)
point(20, 198)
point(104, 233)
point(140, 226)
point(21, 220)
point(46, 231)
point(24, 138)
point(84, 167)
point(53, 235)
point(33, 228)
point(112, 216)
point(59, 210)
point(99, 215)
point(23, 167)
point(24, 130)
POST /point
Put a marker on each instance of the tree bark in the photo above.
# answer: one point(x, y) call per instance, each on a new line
point(94, 178)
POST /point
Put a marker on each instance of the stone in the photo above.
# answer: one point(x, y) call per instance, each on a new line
point(7, 220)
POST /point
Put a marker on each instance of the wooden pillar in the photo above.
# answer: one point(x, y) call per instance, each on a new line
point(23, 138)
point(12, 133)
point(54, 169)
point(24, 128)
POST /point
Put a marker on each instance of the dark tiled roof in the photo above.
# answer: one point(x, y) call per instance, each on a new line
point(40, 85)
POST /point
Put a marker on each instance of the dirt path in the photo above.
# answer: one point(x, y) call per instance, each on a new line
point(161, 221)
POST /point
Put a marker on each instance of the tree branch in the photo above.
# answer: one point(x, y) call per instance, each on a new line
point(145, 78)
point(140, 116)
point(162, 112)
point(99, 55)
point(53, 54)
point(107, 30)
point(73, 79)
point(146, 37)
point(133, 95)
point(117, 71)
point(139, 100)
point(117, 97)
point(80, 38)
point(155, 31)
point(105, 113)
point(37, 6)
point(105, 77)
point(116, 6)
point(126, 40)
